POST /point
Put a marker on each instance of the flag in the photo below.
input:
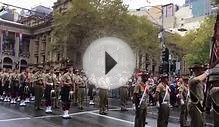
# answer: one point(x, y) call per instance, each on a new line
point(214, 53)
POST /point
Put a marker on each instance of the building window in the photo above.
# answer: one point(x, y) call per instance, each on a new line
point(44, 58)
point(58, 57)
point(36, 59)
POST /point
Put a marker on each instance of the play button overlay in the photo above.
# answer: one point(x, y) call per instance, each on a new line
point(109, 63)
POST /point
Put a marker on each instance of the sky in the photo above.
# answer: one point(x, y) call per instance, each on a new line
point(133, 4)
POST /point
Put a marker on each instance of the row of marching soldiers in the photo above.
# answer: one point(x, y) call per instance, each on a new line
point(34, 84)
point(196, 97)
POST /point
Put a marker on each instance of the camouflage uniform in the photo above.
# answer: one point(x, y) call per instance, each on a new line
point(50, 81)
point(196, 102)
point(141, 109)
point(183, 96)
point(6, 84)
point(163, 96)
point(38, 82)
point(123, 94)
point(81, 90)
point(65, 96)
point(14, 78)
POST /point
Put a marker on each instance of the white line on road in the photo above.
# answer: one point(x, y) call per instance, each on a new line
point(14, 119)
point(71, 114)
point(113, 118)
point(47, 116)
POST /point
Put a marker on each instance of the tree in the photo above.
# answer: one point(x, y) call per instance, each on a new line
point(89, 20)
point(196, 44)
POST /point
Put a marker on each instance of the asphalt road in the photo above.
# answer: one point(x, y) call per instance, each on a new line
point(15, 116)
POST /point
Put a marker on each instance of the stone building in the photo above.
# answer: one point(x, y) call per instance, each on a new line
point(15, 39)
point(28, 42)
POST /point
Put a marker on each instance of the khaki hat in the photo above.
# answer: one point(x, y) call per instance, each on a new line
point(197, 66)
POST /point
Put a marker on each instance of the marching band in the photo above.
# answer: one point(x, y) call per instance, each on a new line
point(67, 85)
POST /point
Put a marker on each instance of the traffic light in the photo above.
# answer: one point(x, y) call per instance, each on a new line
point(164, 68)
point(161, 69)
point(165, 54)
point(173, 67)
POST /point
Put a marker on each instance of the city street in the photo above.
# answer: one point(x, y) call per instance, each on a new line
point(15, 116)
point(109, 63)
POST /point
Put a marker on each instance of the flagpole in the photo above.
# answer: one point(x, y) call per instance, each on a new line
point(211, 63)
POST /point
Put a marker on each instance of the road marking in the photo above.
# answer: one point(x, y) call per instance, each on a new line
point(14, 119)
point(47, 116)
point(71, 114)
point(113, 118)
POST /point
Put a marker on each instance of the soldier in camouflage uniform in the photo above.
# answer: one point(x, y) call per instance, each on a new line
point(81, 89)
point(163, 101)
point(50, 82)
point(123, 90)
point(25, 81)
point(196, 91)
point(57, 88)
point(183, 97)
point(65, 92)
point(214, 93)
point(140, 97)
point(103, 95)
point(14, 78)
point(6, 84)
point(38, 82)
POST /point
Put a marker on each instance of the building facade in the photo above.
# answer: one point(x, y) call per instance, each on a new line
point(15, 39)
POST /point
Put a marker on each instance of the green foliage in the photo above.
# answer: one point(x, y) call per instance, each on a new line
point(216, 1)
point(196, 44)
point(88, 20)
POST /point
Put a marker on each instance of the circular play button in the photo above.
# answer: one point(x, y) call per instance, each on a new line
point(109, 63)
